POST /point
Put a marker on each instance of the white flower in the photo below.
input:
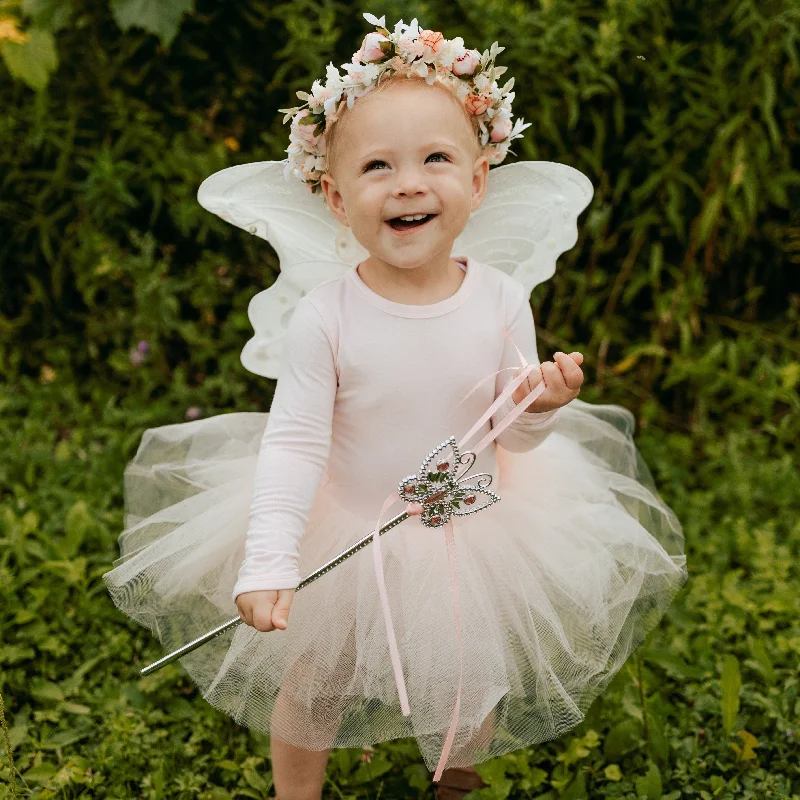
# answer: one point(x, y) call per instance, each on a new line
point(503, 112)
point(399, 27)
point(354, 78)
point(333, 77)
point(331, 105)
point(370, 73)
point(320, 95)
point(452, 50)
point(373, 20)
point(519, 126)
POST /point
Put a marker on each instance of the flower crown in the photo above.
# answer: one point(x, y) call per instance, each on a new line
point(408, 51)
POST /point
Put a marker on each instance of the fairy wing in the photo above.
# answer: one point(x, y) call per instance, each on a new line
point(257, 198)
point(527, 219)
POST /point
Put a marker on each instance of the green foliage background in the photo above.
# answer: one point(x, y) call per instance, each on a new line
point(681, 292)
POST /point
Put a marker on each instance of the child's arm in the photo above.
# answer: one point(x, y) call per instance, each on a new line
point(292, 457)
point(531, 428)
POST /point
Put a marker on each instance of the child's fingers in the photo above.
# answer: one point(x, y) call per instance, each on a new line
point(245, 609)
point(533, 378)
point(280, 611)
point(255, 608)
point(576, 357)
point(262, 616)
point(553, 378)
point(570, 371)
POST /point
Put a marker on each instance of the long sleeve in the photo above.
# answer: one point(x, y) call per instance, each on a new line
point(529, 429)
point(293, 454)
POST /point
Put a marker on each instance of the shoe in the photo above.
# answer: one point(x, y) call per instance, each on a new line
point(457, 782)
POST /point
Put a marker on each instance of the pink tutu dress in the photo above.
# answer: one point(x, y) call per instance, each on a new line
point(557, 582)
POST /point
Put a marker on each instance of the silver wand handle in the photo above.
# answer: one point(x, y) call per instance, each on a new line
point(232, 623)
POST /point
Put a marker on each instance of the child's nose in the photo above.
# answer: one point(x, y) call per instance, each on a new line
point(410, 181)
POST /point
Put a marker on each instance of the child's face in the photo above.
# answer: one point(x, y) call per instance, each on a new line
point(404, 151)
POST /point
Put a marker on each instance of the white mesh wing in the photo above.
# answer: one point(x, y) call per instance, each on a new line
point(303, 232)
point(527, 219)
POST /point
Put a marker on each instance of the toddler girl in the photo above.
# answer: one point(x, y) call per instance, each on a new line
point(380, 360)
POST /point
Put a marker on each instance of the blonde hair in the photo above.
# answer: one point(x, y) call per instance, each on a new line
point(333, 137)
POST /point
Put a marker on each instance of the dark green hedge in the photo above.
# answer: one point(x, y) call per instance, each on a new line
point(684, 116)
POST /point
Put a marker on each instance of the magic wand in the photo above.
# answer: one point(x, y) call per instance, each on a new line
point(440, 490)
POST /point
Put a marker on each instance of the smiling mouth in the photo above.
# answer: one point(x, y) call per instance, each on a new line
point(399, 224)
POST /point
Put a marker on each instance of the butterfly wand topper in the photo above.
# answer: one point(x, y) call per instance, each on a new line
point(440, 490)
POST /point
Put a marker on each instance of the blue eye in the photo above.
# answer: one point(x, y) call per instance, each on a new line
point(372, 164)
point(433, 155)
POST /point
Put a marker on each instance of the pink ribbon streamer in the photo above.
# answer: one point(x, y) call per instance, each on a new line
point(414, 509)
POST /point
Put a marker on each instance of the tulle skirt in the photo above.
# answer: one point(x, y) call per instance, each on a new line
point(557, 583)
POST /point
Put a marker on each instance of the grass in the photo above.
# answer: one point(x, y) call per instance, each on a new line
point(708, 707)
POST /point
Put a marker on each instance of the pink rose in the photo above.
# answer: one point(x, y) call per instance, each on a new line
point(477, 104)
point(466, 64)
point(371, 48)
point(431, 39)
point(305, 132)
point(500, 130)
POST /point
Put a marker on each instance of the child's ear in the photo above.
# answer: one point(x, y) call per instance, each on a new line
point(480, 179)
point(333, 198)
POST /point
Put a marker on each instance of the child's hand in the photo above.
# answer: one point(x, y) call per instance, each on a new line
point(266, 611)
point(562, 379)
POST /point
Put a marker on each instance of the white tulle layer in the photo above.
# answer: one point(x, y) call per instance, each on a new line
point(558, 583)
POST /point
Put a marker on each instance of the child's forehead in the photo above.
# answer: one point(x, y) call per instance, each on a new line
point(411, 113)
point(409, 93)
